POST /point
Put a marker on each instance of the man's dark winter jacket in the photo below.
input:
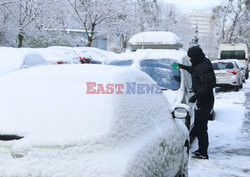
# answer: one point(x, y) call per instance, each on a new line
point(203, 77)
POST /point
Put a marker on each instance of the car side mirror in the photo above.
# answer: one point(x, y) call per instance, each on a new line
point(180, 111)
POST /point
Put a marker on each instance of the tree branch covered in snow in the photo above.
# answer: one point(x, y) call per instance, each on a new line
point(229, 18)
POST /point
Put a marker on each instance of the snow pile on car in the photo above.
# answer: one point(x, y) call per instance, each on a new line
point(95, 53)
point(12, 59)
point(155, 40)
point(146, 54)
point(74, 133)
point(55, 97)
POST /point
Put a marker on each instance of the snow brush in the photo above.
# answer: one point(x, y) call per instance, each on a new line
point(175, 66)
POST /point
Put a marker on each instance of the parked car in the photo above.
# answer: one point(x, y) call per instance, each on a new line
point(12, 59)
point(69, 56)
point(157, 63)
point(62, 128)
point(235, 51)
point(92, 54)
point(243, 70)
point(228, 74)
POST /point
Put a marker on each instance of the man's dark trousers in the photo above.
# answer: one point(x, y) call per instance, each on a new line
point(202, 114)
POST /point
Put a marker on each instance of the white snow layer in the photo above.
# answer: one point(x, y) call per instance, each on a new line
point(157, 37)
point(225, 139)
point(144, 54)
point(69, 133)
point(12, 59)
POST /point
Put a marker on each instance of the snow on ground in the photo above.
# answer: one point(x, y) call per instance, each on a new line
point(227, 141)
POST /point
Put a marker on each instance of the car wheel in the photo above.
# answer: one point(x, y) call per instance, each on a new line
point(184, 167)
point(236, 88)
point(247, 75)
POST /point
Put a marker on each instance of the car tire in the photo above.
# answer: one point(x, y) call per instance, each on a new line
point(184, 167)
point(236, 88)
point(247, 74)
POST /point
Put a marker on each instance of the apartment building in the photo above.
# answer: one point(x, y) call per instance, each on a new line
point(201, 20)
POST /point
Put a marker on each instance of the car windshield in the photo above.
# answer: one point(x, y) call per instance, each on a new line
point(121, 63)
point(223, 65)
point(161, 71)
point(238, 54)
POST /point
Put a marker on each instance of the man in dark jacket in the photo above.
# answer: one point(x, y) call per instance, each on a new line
point(203, 82)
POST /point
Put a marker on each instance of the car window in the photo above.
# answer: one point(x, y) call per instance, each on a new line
point(223, 65)
point(238, 54)
point(121, 63)
point(236, 66)
point(33, 60)
point(162, 72)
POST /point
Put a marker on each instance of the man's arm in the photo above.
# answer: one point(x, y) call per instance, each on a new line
point(187, 68)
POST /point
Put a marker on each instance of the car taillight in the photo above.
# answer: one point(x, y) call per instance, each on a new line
point(59, 62)
point(233, 72)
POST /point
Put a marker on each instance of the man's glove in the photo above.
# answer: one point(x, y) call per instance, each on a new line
point(180, 66)
point(192, 99)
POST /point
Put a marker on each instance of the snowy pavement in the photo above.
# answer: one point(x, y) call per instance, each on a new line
point(229, 137)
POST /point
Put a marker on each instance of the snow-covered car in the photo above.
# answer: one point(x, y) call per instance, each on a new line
point(12, 59)
point(58, 55)
point(73, 120)
point(155, 40)
point(158, 64)
point(228, 74)
point(94, 55)
point(69, 55)
point(243, 70)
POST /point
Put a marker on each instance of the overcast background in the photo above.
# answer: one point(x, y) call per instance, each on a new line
point(189, 5)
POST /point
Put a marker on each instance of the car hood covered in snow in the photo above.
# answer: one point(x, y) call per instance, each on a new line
point(70, 133)
point(55, 98)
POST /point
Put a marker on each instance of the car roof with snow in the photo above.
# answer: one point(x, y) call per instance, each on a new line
point(49, 105)
point(145, 54)
point(95, 53)
point(155, 40)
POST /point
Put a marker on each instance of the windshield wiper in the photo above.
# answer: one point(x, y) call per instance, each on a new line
point(10, 137)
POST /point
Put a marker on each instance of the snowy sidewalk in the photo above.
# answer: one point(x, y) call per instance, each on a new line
point(229, 138)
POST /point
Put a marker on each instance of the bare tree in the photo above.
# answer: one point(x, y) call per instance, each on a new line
point(96, 16)
point(228, 17)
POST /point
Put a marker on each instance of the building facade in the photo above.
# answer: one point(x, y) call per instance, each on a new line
point(201, 20)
